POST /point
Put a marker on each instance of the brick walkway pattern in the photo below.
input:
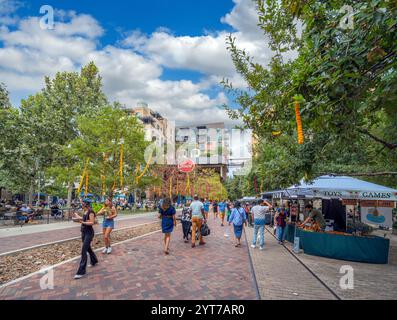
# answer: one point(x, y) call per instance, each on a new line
point(281, 277)
point(138, 269)
point(28, 240)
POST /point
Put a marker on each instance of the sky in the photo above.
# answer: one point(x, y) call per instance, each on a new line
point(170, 54)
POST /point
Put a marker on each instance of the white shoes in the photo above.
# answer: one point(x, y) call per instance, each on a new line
point(253, 246)
point(109, 250)
point(78, 276)
point(105, 250)
point(261, 248)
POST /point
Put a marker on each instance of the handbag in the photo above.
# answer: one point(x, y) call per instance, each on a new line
point(205, 230)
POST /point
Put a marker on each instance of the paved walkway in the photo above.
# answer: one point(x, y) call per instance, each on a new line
point(37, 235)
point(281, 276)
point(138, 269)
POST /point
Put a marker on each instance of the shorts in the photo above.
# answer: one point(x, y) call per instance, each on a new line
point(108, 223)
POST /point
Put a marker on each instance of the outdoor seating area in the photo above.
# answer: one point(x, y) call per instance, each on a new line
point(16, 214)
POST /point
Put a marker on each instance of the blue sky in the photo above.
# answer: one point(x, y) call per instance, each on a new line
point(169, 53)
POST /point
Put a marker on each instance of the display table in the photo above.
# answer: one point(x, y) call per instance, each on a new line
point(360, 249)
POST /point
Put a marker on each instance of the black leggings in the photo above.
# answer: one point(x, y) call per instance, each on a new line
point(186, 229)
point(86, 237)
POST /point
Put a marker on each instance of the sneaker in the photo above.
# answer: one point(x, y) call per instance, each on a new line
point(105, 250)
point(109, 251)
point(78, 276)
point(261, 248)
point(92, 265)
point(253, 246)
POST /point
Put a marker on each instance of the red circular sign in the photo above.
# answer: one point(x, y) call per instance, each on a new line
point(186, 166)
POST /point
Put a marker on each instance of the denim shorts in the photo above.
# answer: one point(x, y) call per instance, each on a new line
point(108, 223)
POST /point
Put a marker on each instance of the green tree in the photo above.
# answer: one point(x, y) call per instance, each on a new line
point(346, 80)
point(48, 122)
point(100, 140)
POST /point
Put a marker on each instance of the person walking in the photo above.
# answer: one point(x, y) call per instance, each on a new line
point(215, 209)
point(229, 208)
point(186, 220)
point(197, 209)
point(109, 213)
point(168, 222)
point(259, 212)
point(87, 235)
point(222, 211)
point(206, 204)
point(238, 218)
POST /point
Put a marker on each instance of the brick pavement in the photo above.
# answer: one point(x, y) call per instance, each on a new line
point(17, 242)
point(138, 269)
point(371, 281)
point(280, 276)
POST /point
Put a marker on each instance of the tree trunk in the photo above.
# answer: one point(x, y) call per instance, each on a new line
point(31, 193)
point(70, 190)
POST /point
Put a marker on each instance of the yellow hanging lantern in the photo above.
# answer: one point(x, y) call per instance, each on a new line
point(86, 185)
point(83, 176)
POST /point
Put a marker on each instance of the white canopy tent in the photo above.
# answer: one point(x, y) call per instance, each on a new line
point(341, 187)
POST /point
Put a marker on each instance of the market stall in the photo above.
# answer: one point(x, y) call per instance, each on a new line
point(342, 239)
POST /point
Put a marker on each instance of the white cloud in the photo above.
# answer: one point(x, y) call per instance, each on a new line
point(132, 69)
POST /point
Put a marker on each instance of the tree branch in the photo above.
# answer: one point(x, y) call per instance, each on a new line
point(388, 145)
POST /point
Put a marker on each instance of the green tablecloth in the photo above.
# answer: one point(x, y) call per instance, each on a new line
point(351, 248)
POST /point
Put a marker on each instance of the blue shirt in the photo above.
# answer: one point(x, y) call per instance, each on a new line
point(238, 217)
point(222, 206)
point(206, 206)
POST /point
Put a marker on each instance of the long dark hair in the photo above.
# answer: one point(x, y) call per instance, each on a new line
point(237, 204)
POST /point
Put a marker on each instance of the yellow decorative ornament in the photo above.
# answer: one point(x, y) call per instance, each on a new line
point(138, 178)
point(83, 176)
point(86, 184)
point(299, 123)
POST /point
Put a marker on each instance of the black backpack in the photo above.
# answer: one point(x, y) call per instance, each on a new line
point(205, 230)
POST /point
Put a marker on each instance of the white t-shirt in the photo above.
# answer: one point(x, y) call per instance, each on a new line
point(259, 212)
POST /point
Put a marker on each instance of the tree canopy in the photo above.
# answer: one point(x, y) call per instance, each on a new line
point(343, 74)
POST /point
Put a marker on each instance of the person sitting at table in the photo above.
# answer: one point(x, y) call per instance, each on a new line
point(317, 218)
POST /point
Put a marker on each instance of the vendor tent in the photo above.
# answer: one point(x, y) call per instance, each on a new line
point(341, 187)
